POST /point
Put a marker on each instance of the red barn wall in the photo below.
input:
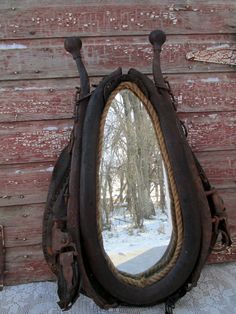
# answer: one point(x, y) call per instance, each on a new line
point(37, 87)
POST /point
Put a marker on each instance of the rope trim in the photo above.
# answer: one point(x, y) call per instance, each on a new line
point(161, 268)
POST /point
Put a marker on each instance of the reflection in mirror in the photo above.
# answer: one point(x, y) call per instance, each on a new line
point(134, 201)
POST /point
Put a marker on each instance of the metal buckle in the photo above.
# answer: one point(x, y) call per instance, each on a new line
point(216, 220)
point(219, 221)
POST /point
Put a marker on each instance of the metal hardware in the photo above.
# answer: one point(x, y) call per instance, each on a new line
point(78, 100)
point(169, 89)
point(2, 257)
point(219, 221)
point(220, 55)
point(169, 307)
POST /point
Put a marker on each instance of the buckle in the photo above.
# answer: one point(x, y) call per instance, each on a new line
point(220, 226)
point(219, 220)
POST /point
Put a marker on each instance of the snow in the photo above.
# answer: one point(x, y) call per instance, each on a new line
point(213, 115)
point(132, 249)
point(49, 169)
point(50, 128)
point(219, 46)
point(12, 46)
point(31, 88)
point(211, 80)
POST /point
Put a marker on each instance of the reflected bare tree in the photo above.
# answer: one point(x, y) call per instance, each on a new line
point(131, 174)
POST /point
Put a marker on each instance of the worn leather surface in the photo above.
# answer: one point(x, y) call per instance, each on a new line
point(215, 294)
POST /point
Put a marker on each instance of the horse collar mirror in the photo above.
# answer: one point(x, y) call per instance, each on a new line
point(130, 217)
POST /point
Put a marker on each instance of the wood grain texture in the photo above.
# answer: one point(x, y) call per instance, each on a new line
point(211, 131)
point(37, 100)
point(22, 224)
point(22, 184)
point(24, 19)
point(31, 215)
point(36, 141)
point(54, 98)
point(33, 141)
point(222, 55)
point(46, 58)
point(24, 258)
point(220, 168)
point(26, 264)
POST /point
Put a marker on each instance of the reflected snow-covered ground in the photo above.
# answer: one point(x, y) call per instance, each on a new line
point(135, 250)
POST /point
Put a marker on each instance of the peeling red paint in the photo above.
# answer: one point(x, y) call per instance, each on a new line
point(47, 20)
point(37, 90)
point(101, 57)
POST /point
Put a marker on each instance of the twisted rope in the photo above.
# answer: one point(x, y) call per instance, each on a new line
point(162, 267)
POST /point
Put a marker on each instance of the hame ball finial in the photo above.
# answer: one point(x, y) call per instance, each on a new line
point(157, 38)
point(73, 45)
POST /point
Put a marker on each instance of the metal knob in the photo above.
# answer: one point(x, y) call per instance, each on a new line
point(157, 38)
point(73, 45)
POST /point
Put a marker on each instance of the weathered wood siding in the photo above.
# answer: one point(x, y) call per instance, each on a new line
point(37, 87)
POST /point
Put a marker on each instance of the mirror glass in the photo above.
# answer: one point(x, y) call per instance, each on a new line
point(134, 196)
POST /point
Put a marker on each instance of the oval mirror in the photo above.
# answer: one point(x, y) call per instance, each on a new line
point(136, 206)
point(134, 195)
